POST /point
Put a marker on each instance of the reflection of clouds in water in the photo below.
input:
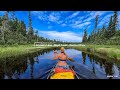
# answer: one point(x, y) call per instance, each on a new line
point(116, 71)
point(99, 72)
point(46, 62)
point(72, 53)
point(49, 56)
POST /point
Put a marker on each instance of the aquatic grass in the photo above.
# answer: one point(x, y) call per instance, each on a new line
point(108, 51)
point(14, 51)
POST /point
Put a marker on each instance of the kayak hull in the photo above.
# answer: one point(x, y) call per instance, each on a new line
point(61, 73)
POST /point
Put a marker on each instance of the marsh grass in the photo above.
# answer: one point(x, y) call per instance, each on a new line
point(14, 51)
point(108, 51)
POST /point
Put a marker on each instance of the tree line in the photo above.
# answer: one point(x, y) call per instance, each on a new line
point(109, 35)
point(14, 31)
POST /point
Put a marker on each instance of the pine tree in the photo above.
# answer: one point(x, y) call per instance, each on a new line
point(0, 21)
point(96, 23)
point(13, 25)
point(84, 40)
point(103, 32)
point(30, 31)
point(92, 39)
point(110, 27)
point(6, 21)
point(23, 28)
point(115, 22)
point(89, 38)
point(13, 15)
point(5, 26)
point(36, 34)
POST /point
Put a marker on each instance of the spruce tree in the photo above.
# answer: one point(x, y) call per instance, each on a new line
point(84, 40)
point(30, 31)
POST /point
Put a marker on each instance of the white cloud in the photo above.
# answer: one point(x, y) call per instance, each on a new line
point(64, 36)
point(63, 25)
point(52, 18)
point(40, 14)
point(105, 19)
point(80, 25)
point(48, 16)
point(93, 14)
point(73, 15)
point(89, 18)
point(49, 27)
point(75, 20)
point(59, 22)
point(81, 18)
point(87, 11)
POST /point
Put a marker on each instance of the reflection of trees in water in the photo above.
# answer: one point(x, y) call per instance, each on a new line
point(2, 70)
point(93, 65)
point(21, 67)
point(90, 57)
point(84, 57)
point(32, 66)
point(14, 67)
point(108, 68)
point(93, 61)
point(9, 69)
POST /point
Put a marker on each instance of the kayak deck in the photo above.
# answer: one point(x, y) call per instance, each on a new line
point(58, 73)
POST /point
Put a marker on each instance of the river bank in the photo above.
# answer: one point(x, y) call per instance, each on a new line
point(103, 51)
point(14, 51)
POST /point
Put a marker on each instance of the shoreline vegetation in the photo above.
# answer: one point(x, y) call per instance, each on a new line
point(15, 51)
point(102, 51)
point(14, 33)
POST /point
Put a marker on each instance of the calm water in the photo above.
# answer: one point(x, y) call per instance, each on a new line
point(38, 65)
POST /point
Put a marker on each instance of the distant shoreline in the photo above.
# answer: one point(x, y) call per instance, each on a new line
point(103, 51)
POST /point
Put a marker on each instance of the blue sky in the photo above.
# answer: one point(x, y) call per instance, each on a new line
point(64, 25)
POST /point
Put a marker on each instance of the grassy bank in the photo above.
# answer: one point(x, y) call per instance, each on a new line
point(104, 51)
point(14, 51)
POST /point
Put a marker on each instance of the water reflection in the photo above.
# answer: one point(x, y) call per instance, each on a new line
point(37, 65)
point(84, 57)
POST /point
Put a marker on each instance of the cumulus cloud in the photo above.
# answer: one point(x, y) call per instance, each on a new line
point(64, 36)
